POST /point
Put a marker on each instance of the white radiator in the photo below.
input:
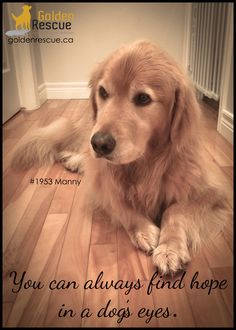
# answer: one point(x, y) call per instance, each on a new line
point(208, 26)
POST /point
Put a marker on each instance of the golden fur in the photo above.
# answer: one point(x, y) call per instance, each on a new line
point(156, 174)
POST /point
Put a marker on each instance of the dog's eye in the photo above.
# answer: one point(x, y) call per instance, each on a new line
point(103, 93)
point(142, 99)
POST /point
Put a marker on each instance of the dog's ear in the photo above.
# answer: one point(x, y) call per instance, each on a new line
point(185, 115)
point(95, 77)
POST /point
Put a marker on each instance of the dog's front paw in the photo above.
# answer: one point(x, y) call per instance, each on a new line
point(71, 161)
point(169, 259)
point(146, 238)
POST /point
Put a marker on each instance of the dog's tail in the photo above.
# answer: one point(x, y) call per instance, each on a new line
point(41, 147)
point(14, 17)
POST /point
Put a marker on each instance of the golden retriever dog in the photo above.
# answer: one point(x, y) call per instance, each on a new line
point(139, 146)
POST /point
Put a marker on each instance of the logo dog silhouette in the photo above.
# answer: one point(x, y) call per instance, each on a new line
point(23, 20)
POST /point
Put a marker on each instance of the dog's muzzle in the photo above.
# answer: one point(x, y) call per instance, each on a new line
point(103, 143)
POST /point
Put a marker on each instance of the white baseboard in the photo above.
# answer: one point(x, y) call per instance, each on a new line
point(68, 90)
point(226, 127)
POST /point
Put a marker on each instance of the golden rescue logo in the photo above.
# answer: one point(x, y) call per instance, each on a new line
point(53, 21)
point(44, 21)
point(23, 20)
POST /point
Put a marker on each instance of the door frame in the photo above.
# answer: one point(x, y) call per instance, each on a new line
point(24, 66)
point(225, 116)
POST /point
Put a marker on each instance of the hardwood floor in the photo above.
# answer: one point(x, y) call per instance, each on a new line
point(48, 238)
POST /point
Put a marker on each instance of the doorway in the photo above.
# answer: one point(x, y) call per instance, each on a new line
point(11, 99)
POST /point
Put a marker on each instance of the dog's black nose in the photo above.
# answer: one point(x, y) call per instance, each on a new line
point(103, 143)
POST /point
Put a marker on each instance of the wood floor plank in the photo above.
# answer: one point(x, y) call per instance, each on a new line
point(140, 304)
point(178, 305)
point(218, 253)
point(227, 274)
point(135, 266)
point(73, 263)
point(17, 128)
point(209, 310)
point(103, 232)
point(20, 248)
point(220, 177)
point(39, 301)
point(224, 146)
point(64, 194)
point(229, 171)
point(132, 263)
point(75, 109)
point(218, 154)
point(102, 258)
point(218, 142)
point(8, 158)
point(11, 181)
point(17, 205)
point(6, 309)
point(7, 145)
point(56, 109)
point(24, 240)
point(22, 312)
point(228, 233)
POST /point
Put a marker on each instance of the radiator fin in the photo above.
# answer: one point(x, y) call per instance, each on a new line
point(208, 26)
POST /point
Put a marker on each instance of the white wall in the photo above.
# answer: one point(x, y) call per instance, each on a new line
point(98, 29)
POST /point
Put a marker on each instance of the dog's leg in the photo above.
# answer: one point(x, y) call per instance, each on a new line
point(173, 250)
point(42, 146)
point(184, 227)
point(145, 235)
point(72, 161)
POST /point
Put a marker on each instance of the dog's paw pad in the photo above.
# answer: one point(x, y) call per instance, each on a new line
point(170, 260)
point(146, 240)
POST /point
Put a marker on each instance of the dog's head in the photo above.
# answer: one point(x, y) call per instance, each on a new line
point(26, 8)
point(141, 102)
